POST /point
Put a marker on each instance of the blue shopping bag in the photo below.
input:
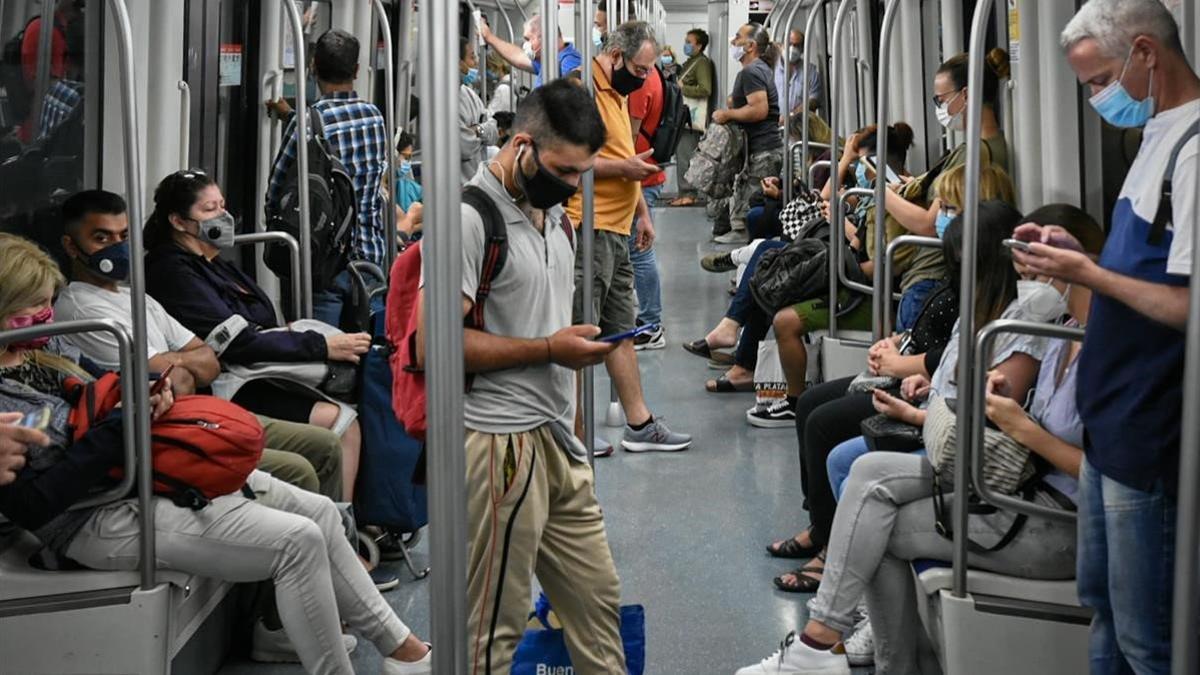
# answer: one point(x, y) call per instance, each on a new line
point(543, 651)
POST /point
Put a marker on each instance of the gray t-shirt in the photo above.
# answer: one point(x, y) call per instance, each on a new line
point(764, 134)
point(531, 298)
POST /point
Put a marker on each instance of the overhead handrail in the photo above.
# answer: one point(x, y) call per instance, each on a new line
point(889, 263)
point(550, 40)
point(587, 236)
point(185, 124)
point(789, 169)
point(444, 335)
point(966, 298)
point(841, 269)
point(881, 309)
point(389, 88)
point(293, 253)
point(836, 235)
point(302, 130)
point(817, 9)
point(1185, 658)
point(985, 343)
point(139, 368)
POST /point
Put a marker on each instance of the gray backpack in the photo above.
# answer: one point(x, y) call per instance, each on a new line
point(719, 157)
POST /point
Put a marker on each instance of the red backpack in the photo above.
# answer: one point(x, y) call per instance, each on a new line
point(203, 447)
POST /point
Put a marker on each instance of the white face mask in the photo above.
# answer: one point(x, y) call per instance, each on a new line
point(527, 47)
point(737, 52)
point(1041, 301)
point(951, 122)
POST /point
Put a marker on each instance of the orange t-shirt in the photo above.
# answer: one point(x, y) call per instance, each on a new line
point(616, 198)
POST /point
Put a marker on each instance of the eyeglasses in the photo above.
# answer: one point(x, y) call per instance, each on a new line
point(940, 99)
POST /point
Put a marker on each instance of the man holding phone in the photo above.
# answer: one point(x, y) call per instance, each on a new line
point(14, 440)
point(1129, 54)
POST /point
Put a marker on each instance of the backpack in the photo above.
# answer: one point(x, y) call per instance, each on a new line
point(203, 447)
point(719, 158)
point(1165, 214)
point(799, 272)
point(332, 205)
point(674, 119)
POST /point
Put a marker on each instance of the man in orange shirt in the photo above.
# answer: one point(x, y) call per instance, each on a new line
point(620, 69)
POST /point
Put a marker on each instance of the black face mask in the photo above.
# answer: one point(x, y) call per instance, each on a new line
point(543, 189)
point(625, 82)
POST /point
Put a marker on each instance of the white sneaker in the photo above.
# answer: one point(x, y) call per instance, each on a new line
point(860, 646)
point(274, 646)
point(732, 237)
point(796, 658)
point(397, 667)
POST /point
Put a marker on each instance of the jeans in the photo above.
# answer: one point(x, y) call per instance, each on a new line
point(911, 303)
point(292, 537)
point(762, 222)
point(1125, 567)
point(755, 322)
point(330, 303)
point(883, 522)
point(743, 302)
point(646, 281)
point(842, 459)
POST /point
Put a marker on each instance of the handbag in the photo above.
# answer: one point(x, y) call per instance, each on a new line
point(885, 434)
point(770, 382)
point(1007, 465)
point(865, 382)
point(801, 216)
point(543, 649)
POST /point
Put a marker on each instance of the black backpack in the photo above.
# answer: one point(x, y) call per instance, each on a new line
point(333, 211)
point(674, 119)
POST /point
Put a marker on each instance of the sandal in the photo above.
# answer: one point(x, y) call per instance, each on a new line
point(803, 582)
point(721, 361)
point(683, 201)
point(722, 385)
point(790, 548)
point(699, 348)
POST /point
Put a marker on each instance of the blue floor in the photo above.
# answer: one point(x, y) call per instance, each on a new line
point(687, 529)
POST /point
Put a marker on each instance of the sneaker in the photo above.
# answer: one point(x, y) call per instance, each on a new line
point(397, 667)
point(601, 448)
point(720, 228)
point(732, 237)
point(656, 339)
point(274, 646)
point(654, 437)
point(860, 646)
point(778, 415)
point(718, 262)
point(383, 579)
point(796, 658)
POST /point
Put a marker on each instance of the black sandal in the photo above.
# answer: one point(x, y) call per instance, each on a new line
point(803, 582)
point(792, 549)
point(699, 348)
point(722, 385)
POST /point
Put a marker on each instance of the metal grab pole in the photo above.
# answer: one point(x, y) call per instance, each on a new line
point(444, 336)
point(480, 51)
point(44, 59)
point(404, 65)
point(301, 120)
point(889, 260)
point(789, 167)
point(810, 24)
point(549, 54)
point(140, 367)
point(966, 297)
point(587, 235)
point(512, 37)
point(881, 304)
point(293, 255)
point(836, 233)
point(389, 89)
point(841, 269)
point(1185, 659)
point(185, 124)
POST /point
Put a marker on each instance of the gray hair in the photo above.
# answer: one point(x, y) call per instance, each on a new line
point(534, 23)
point(1114, 24)
point(629, 38)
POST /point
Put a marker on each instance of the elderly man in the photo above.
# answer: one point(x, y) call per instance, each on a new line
point(528, 56)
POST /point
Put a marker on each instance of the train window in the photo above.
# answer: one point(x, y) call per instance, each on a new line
point(46, 79)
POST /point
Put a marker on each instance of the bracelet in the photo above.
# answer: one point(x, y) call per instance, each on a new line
point(549, 354)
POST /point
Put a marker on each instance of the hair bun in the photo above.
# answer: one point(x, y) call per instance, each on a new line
point(998, 61)
point(904, 135)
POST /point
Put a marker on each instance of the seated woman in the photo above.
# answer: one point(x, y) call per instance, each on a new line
point(212, 298)
point(408, 190)
point(883, 522)
point(292, 537)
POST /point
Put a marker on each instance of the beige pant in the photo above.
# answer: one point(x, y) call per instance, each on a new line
point(532, 510)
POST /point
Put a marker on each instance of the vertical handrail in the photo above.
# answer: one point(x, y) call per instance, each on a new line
point(836, 233)
point(841, 270)
point(404, 70)
point(549, 41)
point(814, 11)
point(301, 70)
point(44, 59)
point(185, 124)
point(587, 234)
point(389, 89)
point(272, 82)
point(966, 298)
point(1185, 659)
point(789, 167)
point(512, 38)
point(881, 304)
point(444, 335)
point(480, 50)
point(140, 367)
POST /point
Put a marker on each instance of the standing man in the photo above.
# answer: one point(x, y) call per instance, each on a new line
point(801, 89)
point(355, 130)
point(645, 113)
point(620, 69)
point(531, 503)
point(528, 56)
point(753, 105)
point(697, 79)
point(1128, 53)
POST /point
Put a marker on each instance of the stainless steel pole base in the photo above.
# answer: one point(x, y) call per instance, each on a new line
point(615, 417)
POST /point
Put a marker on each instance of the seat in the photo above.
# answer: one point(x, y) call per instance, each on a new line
point(845, 355)
point(938, 576)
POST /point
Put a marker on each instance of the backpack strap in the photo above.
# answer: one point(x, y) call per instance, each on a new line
point(568, 229)
point(1164, 217)
point(495, 248)
point(316, 123)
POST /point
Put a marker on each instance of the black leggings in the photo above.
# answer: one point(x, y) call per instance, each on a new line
point(826, 416)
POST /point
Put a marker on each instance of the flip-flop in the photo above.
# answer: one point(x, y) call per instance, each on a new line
point(720, 361)
point(682, 201)
point(722, 385)
point(699, 348)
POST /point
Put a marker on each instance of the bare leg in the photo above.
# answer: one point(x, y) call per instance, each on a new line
point(623, 369)
point(410, 650)
point(325, 415)
point(724, 335)
point(789, 334)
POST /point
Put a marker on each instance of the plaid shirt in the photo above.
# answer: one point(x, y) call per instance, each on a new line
point(62, 98)
point(356, 132)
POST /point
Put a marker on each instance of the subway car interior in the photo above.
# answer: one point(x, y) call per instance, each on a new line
point(350, 336)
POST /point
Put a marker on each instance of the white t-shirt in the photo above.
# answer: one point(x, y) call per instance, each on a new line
point(81, 300)
point(1143, 184)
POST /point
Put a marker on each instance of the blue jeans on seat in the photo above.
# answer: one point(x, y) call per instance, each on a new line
point(646, 281)
point(329, 303)
point(743, 301)
point(838, 464)
point(1125, 567)
point(911, 303)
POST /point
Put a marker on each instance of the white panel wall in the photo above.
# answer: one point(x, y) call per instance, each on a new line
point(113, 166)
point(679, 23)
point(162, 91)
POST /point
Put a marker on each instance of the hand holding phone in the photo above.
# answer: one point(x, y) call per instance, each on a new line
point(161, 382)
point(1016, 245)
point(640, 330)
point(37, 419)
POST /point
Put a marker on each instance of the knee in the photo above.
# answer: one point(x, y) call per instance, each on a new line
point(303, 543)
point(788, 324)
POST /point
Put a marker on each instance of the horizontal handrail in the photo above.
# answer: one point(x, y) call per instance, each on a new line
point(846, 281)
point(812, 172)
point(983, 353)
point(293, 254)
point(889, 261)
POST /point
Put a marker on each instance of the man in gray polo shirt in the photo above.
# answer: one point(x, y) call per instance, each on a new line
point(531, 504)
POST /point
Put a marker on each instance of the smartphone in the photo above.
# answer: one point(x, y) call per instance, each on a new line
point(640, 330)
point(891, 175)
point(38, 419)
point(1016, 245)
point(669, 162)
point(161, 382)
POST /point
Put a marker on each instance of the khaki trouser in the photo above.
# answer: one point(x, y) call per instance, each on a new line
point(532, 510)
point(762, 165)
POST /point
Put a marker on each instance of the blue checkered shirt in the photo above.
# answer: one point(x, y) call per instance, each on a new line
point(356, 132)
point(60, 100)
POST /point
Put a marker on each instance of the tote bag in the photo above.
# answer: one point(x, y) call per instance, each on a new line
point(543, 650)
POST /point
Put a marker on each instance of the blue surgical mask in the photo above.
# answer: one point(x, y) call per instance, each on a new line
point(597, 38)
point(405, 167)
point(860, 172)
point(1120, 109)
point(943, 223)
point(666, 59)
point(111, 262)
point(688, 49)
point(469, 77)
